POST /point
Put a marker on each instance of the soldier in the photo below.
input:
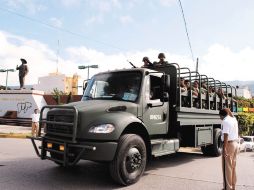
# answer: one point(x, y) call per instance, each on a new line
point(161, 62)
point(23, 70)
point(147, 62)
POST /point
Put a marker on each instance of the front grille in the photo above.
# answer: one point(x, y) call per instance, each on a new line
point(64, 127)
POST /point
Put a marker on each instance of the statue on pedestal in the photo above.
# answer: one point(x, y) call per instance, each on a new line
point(23, 70)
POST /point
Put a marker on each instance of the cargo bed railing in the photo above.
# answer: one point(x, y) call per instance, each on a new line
point(205, 101)
point(74, 124)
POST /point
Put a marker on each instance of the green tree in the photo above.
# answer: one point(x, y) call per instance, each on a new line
point(246, 123)
point(57, 94)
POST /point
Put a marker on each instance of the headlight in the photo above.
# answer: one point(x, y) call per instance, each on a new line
point(103, 128)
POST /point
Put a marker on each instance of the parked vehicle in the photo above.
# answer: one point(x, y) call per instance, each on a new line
point(241, 145)
point(126, 116)
point(249, 140)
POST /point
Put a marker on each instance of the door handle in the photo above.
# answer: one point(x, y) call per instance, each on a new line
point(164, 116)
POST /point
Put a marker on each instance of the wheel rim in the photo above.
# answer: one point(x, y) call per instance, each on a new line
point(133, 160)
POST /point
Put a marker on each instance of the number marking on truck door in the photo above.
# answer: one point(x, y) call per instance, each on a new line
point(155, 117)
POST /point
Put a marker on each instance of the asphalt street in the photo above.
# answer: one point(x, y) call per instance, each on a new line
point(21, 169)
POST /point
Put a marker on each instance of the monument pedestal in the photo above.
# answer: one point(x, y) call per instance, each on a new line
point(23, 102)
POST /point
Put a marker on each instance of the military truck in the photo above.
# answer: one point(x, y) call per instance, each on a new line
point(128, 116)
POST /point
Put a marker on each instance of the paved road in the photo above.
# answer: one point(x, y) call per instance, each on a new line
point(20, 169)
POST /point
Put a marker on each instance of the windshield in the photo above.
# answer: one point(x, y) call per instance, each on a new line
point(246, 139)
point(124, 86)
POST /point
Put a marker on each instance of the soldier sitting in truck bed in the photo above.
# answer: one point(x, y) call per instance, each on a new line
point(182, 85)
point(211, 93)
point(203, 88)
point(195, 93)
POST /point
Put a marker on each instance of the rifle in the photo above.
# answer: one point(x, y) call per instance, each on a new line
point(131, 64)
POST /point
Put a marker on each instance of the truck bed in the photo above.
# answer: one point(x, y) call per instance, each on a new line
point(195, 116)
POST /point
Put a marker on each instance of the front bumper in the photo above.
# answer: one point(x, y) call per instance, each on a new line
point(70, 153)
point(249, 147)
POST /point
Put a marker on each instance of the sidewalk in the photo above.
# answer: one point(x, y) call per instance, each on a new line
point(10, 131)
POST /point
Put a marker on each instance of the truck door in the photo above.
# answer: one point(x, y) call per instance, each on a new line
point(155, 113)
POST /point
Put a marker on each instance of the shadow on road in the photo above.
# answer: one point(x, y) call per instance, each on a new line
point(173, 160)
point(85, 175)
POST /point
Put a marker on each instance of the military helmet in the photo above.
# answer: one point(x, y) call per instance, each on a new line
point(161, 55)
point(145, 59)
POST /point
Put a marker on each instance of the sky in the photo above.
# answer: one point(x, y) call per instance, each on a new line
point(64, 34)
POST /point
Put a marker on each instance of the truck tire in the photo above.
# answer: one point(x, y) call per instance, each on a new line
point(216, 148)
point(130, 159)
point(206, 150)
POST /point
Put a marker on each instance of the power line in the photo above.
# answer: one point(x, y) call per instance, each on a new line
point(186, 30)
point(60, 29)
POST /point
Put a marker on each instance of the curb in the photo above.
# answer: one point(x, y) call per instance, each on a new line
point(15, 135)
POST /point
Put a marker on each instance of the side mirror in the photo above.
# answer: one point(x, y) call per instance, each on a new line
point(85, 83)
point(84, 87)
point(165, 97)
point(165, 82)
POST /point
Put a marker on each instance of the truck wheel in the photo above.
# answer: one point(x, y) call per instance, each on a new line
point(216, 148)
point(130, 160)
point(206, 150)
point(217, 143)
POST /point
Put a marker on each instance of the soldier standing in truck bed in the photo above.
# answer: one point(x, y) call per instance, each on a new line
point(23, 70)
point(161, 61)
point(147, 63)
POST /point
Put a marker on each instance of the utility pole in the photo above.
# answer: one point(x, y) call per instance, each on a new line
point(87, 67)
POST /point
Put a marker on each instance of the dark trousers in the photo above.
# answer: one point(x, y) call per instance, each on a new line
point(21, 81)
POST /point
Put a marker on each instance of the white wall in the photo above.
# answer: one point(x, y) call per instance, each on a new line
point(244, 92)
point(48, 83)
point(22, 101)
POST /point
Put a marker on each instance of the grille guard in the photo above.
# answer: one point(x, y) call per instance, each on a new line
point(73, 124)
point(66, 153)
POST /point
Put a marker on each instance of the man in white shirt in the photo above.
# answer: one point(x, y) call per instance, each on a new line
point(229, 138)
point(35, 123)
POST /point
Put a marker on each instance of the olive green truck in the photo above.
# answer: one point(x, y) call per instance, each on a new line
point(127, 116)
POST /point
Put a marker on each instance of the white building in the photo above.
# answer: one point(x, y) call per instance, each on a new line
point(23, 102)
point(244, 91)
point(58, 81)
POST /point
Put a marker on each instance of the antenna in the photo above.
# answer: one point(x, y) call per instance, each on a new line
point(197, 65)
point(57, 56)
point(186, 30)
